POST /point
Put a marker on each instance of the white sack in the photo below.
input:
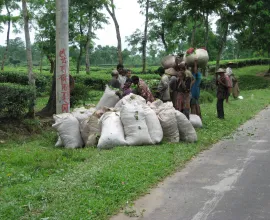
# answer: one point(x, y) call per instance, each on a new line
point(109, 99)
point(131, 98)
point(82, 113)
point(171, 72)
point(153, 124)
point(195, 121)
point(186, 130)
point(168, 122)
point(202, 55)
point(168, 61)
point(155, 105)
point(90, 130)
point(112, 132)
point(135, 128)
point(59, 142)
point(68, 128)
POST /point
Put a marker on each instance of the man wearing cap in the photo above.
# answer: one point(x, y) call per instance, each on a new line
point(222, 91)
point(114, 81)
point(163, 86)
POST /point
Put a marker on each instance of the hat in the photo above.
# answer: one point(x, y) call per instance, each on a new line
point(220, 70)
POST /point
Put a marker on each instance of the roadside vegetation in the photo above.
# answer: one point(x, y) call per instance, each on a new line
point(39, 181)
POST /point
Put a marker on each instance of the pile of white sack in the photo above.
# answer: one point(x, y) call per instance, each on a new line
point(126, 122)
point(169, 62)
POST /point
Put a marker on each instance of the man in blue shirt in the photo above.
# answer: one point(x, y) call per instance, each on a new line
point(195, 90)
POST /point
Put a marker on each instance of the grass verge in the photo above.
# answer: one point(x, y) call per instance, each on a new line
point(39, 181)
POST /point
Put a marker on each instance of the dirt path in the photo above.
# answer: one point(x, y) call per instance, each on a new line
point(229, 181)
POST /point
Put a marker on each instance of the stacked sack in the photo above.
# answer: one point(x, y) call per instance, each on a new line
point(77, 129)
point(132, 123)
point(176, 127)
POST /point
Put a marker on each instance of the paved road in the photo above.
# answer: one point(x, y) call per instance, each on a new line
point(231, 181)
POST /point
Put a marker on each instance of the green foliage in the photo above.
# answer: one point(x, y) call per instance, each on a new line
point(43, 81)
point(206, 97)
point(239, 63)
point(14, 99)
point(79, 95)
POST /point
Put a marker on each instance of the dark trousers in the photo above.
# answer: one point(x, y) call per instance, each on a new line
point(220, 108)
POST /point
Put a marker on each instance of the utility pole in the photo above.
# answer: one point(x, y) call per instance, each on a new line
point(62, 58)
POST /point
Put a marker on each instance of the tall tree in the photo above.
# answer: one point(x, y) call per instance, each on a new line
point(88, 41)
point(110, 7)
point(227, 17)
point(10, 6)
point(31, 75)
point(144, 4)
point(253, 25)
point(62, 58)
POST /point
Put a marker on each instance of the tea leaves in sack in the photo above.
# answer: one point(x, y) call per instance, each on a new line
point(135, 127)
point(112, 132)
point(155, 105)
point(153, 124)
point(186, 130)
point(68, 128)
point(202, 56)
point(168, 122)
point(168, 62)
point(195, 121)
point(90, 131)
point(109, 99)
point(82, 113)
point(131, 98)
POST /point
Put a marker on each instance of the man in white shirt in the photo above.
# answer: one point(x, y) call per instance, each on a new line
point(122, 74)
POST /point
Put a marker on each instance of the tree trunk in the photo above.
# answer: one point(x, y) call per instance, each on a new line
point(206, 36)
point(31, 75)
point(50, 108)
point(268, 72)
point(88, 41)
point(192, 42)
point(8, 32)
point(79, 59)
point(62, 58)
point(52, 63)
point(41, 62)
point(222, 43)
point(117, 29)
point(144, 42)
point(162, 36)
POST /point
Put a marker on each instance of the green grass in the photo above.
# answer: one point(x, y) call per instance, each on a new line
point(38, 180)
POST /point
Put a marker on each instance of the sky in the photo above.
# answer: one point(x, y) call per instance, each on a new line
point(128, 16)
point(129, 19)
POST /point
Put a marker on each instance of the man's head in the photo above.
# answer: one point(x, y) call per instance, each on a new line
point(182, 66)
point(220, 72)
point(135, 80)
point(160, 71)
point(127, 83)
point(128, 73)
point(181, 75)
point(120, 69)
point(115, 74)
